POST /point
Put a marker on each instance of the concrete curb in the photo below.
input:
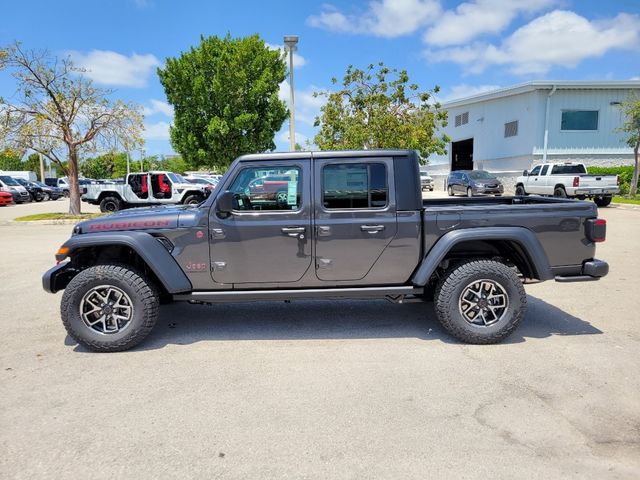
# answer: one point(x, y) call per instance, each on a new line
point(624, 206)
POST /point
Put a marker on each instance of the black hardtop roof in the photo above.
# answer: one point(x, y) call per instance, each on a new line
point(327, 154)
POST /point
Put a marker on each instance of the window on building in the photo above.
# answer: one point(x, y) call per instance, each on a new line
point(511, 129)
point(462, 119)
point(579, 120)
point(354, 185)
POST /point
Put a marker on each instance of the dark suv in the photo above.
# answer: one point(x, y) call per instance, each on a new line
point(473, 182)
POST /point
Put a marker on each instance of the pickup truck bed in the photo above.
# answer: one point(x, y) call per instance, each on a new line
point(348, 225)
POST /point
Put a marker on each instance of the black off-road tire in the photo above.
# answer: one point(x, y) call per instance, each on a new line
point(145, 300)
point(110, 204)
point(559, 192)
point(520, 191)
point(604, 201)
point(455, 281)
point(194, 199)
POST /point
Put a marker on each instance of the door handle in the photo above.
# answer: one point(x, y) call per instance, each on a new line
point(371, 228)
point(294, 231)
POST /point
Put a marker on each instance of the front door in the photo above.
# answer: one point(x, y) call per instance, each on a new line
point(355, 215)
point(267, 238)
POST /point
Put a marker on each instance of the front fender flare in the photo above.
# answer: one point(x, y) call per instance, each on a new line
point(154, 254)
point(523, 236)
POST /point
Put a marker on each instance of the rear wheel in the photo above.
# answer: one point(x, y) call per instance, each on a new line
point(480, 301)
point(109, 308)
point(110, 204)
point(194, 199)
point(603, 201)
point(520, 191)
point(450, 191)
point(559, 192)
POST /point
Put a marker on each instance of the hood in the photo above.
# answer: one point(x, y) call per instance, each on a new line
point(150, 218)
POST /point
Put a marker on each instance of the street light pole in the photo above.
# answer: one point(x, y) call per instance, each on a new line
point(291, 41)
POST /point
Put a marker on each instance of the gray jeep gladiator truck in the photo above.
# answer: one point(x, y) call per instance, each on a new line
point(351, 224)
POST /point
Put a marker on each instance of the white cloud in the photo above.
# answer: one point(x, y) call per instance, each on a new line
point(307, 106)
point(156, 131)
point(298, 60)
point(383, 18)
point(463, 91)
point(158, 106)
point(560, 38)
point(112, 68)
point(634, 78)
point(477, 17)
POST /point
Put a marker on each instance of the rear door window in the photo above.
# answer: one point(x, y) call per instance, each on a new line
point(354, 186)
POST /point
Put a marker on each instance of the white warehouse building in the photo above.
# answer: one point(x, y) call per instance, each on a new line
point(508, 130)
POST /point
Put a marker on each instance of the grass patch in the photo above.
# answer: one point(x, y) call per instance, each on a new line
point(56, 216)
point(632, 201)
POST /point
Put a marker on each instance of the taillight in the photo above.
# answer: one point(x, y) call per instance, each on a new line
point(576, 181)
point(596, 229)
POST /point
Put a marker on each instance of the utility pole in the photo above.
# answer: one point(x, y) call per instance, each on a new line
point(291, 41)
point(41, 167)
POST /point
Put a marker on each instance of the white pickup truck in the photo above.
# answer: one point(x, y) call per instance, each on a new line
point(568, 180)
point(144, 189)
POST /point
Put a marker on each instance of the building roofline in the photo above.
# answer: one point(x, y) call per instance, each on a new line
point(543, 85)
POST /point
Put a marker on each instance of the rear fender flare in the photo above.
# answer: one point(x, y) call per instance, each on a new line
point(523, 236)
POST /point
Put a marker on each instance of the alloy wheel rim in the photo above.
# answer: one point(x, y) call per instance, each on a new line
point(106, 309)
point(483, 302)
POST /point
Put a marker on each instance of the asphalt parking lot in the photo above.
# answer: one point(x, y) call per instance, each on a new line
point(361, 389)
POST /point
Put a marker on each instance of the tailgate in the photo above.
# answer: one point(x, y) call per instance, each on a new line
point(598, 181)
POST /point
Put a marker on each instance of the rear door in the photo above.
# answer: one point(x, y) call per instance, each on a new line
point(355, 215)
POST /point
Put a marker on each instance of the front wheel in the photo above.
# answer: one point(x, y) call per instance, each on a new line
point(450, 191)
point(38, 196)
point(109, 308)
point(480, 301)
point(520, 191)
point(469, 192)
point(603, 201)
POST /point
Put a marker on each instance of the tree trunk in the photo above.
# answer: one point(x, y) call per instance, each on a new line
point(634, 181)
point(74, 189)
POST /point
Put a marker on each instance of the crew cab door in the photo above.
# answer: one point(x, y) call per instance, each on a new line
point(267, 237)
point(355, 215)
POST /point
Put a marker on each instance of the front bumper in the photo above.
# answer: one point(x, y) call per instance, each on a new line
point(591, 270)
point(58, 277)
point(488, 190)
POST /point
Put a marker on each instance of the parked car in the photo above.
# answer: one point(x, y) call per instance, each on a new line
point(54, 192)
point(144, 189)
point(473, 182)
point(354, 225)
point(5, 199)
point(9, 184)
point(205, 182)
point(568, 180)
point(36, 192)
point(426, 181)
point(58, 182)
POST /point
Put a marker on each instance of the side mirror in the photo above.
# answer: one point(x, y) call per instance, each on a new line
point(525, 173)
point(224, 203)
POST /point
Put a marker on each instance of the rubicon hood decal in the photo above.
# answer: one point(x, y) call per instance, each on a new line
point(136, 219)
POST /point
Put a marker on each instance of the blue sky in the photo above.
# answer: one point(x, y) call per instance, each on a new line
point(465, 47)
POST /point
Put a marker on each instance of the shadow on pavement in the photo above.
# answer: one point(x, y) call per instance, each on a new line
point(184, 324)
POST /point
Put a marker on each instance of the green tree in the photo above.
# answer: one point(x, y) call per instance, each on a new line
point(225, 96)
point(631, 129)
point(379, 108)
point(32, 164)
point(57, 112)
point(10, 160)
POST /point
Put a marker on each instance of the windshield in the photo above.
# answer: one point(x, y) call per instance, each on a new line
point(481, 175)
point(175, 178)
point(40, 184)
point(9, 181)
point(424, 173)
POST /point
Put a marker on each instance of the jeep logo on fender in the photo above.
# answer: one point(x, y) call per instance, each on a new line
point(128, 225)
